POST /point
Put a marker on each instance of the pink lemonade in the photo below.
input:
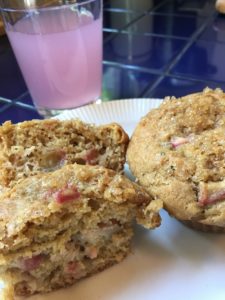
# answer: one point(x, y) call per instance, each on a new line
point(60, 55)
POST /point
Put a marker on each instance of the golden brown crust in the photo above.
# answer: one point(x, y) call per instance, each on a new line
point(177, 152)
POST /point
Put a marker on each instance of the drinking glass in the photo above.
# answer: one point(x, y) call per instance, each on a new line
point(58, 46)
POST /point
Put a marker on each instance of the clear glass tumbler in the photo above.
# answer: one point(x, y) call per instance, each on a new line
point(58, 46)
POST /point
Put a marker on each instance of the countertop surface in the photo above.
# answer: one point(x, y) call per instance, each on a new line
point(151, 49)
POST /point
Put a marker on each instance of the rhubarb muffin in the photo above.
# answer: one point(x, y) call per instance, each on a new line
point(177, 153)
point(31, 147)
point(68, 224)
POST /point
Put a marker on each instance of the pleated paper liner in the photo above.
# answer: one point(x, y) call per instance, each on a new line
point(203, 227)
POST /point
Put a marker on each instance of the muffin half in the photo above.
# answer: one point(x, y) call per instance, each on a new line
point(32, 147)
point(68, 224)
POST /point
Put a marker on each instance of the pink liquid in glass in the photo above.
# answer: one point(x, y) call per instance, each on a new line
point(60, 54)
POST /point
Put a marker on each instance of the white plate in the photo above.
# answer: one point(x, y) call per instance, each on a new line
point(169, 263)
point(125, 112)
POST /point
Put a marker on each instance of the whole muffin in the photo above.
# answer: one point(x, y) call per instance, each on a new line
point(177, 152)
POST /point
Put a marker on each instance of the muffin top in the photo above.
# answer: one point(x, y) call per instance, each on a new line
point(178, 153)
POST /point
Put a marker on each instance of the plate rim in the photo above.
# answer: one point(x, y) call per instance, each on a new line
point(104, 104)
